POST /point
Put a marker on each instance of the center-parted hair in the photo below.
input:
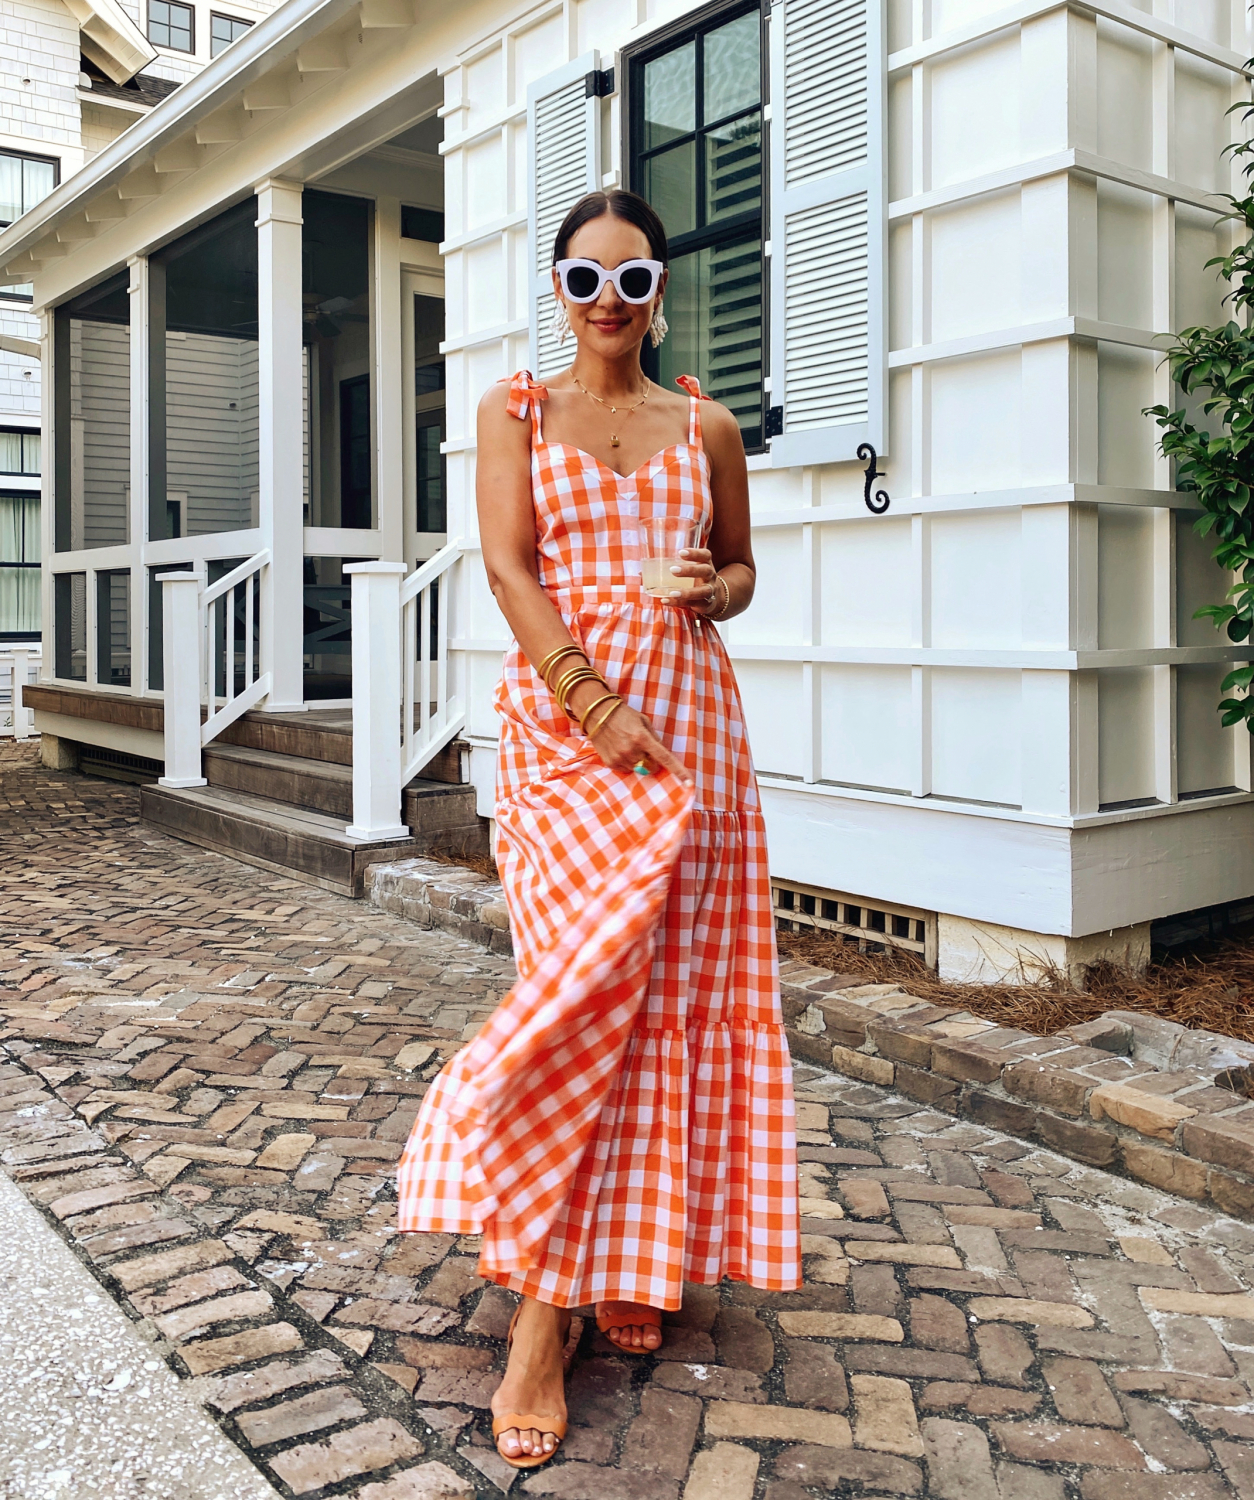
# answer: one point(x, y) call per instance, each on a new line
point(618, 202)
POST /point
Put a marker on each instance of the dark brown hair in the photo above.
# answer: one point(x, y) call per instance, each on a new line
point(630, 207)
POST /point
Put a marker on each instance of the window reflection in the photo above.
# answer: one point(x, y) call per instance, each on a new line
point(698, 161)
point(669, 97)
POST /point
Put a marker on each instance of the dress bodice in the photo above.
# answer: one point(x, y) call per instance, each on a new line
point(588, 515)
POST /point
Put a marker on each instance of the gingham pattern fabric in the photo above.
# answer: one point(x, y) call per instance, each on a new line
point(624, 1122)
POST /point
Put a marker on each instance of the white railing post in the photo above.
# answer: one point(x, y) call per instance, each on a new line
point(23, 718)
point(184, 667)
point(376, 616)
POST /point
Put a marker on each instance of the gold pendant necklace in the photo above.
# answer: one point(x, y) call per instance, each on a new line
point(613, 410)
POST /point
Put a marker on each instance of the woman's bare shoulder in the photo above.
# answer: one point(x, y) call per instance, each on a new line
point(719, 426)
point(494, 402)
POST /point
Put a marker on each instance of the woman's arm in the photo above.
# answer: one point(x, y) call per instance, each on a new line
point(507, 531)
point(729, 555)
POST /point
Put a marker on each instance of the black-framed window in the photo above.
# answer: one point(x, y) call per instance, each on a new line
point(24, 181)
point(19, 565)
point(172, 25)
point(19, 451)
point(696, 153)
point(223, 30)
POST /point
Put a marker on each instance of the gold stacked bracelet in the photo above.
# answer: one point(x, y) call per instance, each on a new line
point(561, 684)
point(571, 679)
point(615, 705)
point(550, 661)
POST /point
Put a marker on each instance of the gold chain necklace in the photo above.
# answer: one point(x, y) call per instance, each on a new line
point(613, 410)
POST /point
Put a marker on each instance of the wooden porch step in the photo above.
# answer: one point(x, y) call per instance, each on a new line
point(319, 734)
point(319, 785)
point(273, 835)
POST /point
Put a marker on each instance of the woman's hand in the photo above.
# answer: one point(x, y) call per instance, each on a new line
point(627, 740)
point(694, 581)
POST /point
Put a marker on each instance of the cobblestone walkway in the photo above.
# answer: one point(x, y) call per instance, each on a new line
point(208, 1075)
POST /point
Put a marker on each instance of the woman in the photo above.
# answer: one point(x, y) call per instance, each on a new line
point(624, 1122)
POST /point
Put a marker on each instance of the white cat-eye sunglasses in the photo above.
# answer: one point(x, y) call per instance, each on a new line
point(634, 281)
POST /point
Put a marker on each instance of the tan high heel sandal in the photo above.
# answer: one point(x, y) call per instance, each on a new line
point(521, 1422)
point(614, 1315)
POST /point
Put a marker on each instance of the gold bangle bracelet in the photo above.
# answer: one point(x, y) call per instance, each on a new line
point(569, 676)
point(605, 718)
point(547, 665)
point(718, 614)
point(571, 681)
point(593, 706)
point(556, 671)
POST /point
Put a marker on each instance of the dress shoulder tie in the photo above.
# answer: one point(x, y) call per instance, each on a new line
point(525, 395)
point(692, 385)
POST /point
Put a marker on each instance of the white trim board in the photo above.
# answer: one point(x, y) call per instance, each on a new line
point(1030, 875)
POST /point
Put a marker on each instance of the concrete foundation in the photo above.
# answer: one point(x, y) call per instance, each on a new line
point(971, 952)
point(56, 753)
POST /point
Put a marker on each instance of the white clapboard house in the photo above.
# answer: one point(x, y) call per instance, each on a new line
point(941, 238)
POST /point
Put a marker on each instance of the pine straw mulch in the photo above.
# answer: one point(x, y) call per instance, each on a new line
point(1210, 987)
point(481, 864)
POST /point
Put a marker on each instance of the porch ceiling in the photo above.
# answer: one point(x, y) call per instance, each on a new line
point(273, 67)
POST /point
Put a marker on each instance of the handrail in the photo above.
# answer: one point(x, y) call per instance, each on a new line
point(236, 575)
point(430, 715)
point(400, 663)
point(206, 645)
point(221, 652)
point(426, 573)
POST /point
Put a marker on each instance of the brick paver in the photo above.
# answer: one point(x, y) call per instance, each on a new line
point(209, 1073)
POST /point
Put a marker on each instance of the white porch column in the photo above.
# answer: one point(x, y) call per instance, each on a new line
point(138, 513)
point(180, 600)
point(387, 379)
point(281, 439)
point(376, 701)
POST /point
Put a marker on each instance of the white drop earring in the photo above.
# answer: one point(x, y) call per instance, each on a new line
point(561, 322)
point(658, 328)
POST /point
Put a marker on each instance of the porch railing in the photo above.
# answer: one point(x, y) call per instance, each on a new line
point(213, 654)
point(400, 668)
point(19, 666)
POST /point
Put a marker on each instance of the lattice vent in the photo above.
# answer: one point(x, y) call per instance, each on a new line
point(872, 925)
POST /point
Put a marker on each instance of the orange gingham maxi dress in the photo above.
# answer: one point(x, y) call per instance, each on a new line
point(624, 1121)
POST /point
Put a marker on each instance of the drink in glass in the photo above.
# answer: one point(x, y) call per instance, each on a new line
point(662, 539)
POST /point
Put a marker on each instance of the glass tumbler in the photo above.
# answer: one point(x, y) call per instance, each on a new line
point(662, 539)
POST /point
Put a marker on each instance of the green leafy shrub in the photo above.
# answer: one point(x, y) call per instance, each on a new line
point(1217, 365)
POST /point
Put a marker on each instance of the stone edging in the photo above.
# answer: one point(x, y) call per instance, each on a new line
point(1129, 1093)
point(434, 894)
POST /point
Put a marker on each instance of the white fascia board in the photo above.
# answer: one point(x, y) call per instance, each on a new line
point(110, 101)
point(109, 38)
point(246, 60)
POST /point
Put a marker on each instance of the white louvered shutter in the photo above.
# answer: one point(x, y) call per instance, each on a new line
point(828, 225)
point(563, 163)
